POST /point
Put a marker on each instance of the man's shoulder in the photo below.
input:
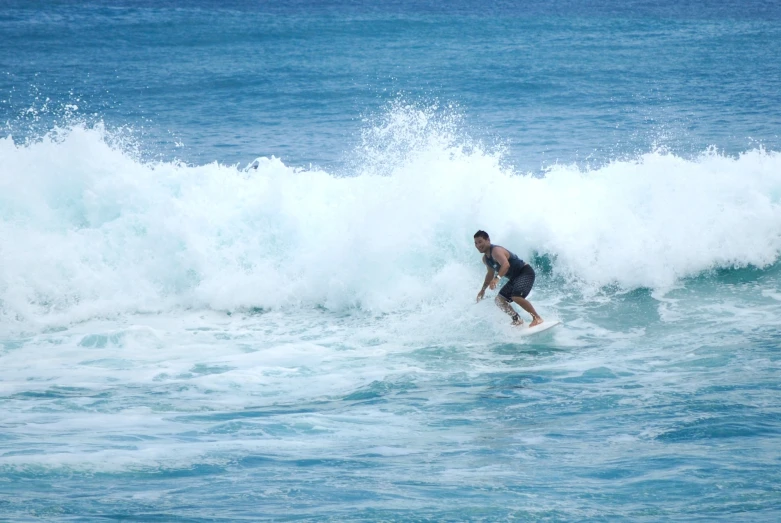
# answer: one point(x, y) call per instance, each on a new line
point(502, 250)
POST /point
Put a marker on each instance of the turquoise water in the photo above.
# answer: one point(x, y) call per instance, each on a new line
point(237, 277)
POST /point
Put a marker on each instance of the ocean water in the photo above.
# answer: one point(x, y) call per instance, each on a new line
point(237, 279)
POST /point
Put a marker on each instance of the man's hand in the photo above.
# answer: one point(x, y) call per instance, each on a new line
point(480, 295)
point(493, 283)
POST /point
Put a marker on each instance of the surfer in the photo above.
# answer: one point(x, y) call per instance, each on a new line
point(500, 262)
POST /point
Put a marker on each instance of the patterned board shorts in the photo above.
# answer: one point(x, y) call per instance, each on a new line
point(521, 285)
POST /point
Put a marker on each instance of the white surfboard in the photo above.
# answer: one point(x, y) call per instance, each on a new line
point(528, 331)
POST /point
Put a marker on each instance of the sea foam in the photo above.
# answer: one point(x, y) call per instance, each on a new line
point(88, 230)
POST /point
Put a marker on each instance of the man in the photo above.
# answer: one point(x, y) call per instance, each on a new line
point(501, 262)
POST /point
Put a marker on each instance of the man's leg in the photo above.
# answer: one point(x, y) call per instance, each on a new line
point(528, 307)
point(522, 286)
point(503, 304)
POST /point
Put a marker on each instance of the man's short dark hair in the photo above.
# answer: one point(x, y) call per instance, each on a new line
point(482, 234)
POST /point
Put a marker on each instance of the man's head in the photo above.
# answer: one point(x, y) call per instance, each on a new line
point(482, 241)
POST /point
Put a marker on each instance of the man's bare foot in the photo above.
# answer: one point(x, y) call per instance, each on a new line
point(517, 321)
point(536, 321)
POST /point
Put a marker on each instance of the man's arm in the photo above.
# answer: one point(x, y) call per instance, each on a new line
point(500, 256)
point(489, 276)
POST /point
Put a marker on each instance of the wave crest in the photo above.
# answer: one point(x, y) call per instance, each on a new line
point(88, 229)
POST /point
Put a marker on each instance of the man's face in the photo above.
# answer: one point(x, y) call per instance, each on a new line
point(481, 244)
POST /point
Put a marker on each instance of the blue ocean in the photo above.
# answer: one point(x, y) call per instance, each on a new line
point(238, 278)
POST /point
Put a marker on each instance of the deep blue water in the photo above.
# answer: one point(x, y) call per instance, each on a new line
point(562, 82)
point(184, 339)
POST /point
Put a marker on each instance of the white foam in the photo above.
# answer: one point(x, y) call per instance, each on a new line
point(90, 231)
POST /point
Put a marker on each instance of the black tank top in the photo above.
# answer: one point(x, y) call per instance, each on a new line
point(516, 264)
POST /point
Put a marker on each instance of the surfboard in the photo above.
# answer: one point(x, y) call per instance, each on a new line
point(528, 331)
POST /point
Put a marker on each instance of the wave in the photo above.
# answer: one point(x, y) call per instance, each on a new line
point(88, 229)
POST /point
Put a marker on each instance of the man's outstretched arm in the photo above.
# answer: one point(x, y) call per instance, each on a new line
point(489, 276)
